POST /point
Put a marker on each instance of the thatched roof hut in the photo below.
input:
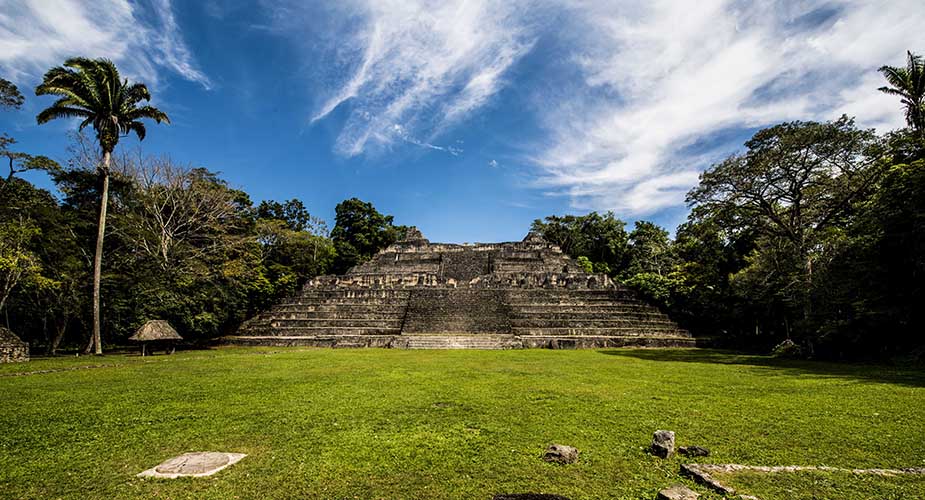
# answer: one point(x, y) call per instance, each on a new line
point(156, 329)
point(159, 332)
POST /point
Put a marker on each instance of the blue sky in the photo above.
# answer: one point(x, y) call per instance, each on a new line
point(468, 119)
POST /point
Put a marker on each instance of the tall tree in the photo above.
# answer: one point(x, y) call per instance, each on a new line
point(93, 90)
point(178, 211)
point(294, 215)
point(360, 231)
point(795, 188)
point(909, 84)
point(10, 97)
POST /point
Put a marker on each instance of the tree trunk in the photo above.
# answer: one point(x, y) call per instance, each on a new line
point(808, 283)
point(98, 257)
point(57, 336)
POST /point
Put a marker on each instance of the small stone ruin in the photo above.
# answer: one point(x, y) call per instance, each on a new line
point(12, 349)
point(421, 295)
point(196, 464)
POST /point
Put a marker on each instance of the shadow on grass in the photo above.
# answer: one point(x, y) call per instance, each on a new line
point(891, 374)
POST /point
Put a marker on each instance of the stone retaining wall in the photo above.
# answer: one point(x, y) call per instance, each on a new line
point(12, 350)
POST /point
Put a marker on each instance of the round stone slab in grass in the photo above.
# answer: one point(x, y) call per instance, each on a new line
point(202, 463)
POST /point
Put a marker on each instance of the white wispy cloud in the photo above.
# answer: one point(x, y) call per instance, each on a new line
point(422, 66)
point(682, 72)
point(400, 133)
point(649, 85)
point(38, 34)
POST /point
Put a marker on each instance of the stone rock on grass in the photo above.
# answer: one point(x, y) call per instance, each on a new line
point(663, 444)
point(527, 496)
point(694, 451)
point(699, 475)
point(196, 464)
point(561, 454)
point(677, 492)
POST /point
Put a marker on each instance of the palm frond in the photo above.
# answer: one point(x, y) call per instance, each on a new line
point(891, 91)
point(136, 93)
point(913, 60)
point(81, 63)
point(52, 113)
point(139, 129)
point(897, 77)
point(86, 122)
point(149, 112)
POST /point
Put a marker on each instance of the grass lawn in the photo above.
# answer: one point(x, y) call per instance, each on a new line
point(451, 424)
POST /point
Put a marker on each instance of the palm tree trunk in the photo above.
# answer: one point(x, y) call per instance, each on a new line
point(98, 257)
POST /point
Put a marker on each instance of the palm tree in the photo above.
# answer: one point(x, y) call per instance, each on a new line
point(909, 84)
point(92, 89)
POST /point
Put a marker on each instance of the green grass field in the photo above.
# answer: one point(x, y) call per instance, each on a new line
point(394, 424)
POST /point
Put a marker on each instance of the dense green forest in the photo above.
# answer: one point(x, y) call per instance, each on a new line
point(814, 233)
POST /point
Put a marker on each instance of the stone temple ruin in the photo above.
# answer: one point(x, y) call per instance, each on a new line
point(11, 348)
point(419, 295)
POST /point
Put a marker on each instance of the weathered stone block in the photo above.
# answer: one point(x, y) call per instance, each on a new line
point(196, 464)
point(561, 454)
point(694, 451)
point(527, 496)
point(663, 444)
point(678, 492)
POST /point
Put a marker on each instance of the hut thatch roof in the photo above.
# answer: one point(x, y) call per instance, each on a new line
point(156, 329)
point(7, 337)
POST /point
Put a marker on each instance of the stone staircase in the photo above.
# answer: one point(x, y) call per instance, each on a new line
point(457, 341)
point(590, 312)
point(457, 310)
point(333, 312)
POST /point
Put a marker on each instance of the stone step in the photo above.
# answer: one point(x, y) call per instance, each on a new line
point(356, 293)
point(322, 306)
point(336, 341)
point(337, 322)
point(598, 342)
point(366, 315)
point(332, 330)
point(529, 301)
point(460, 341)
point(368, 302)
point(590, 323)
point(600, 331)
point(532, 297)
point(613, 307)
point(456, 341)
point(583, 293)
point(589, 315)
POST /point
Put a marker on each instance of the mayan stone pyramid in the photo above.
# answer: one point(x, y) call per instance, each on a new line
point(418, 295)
